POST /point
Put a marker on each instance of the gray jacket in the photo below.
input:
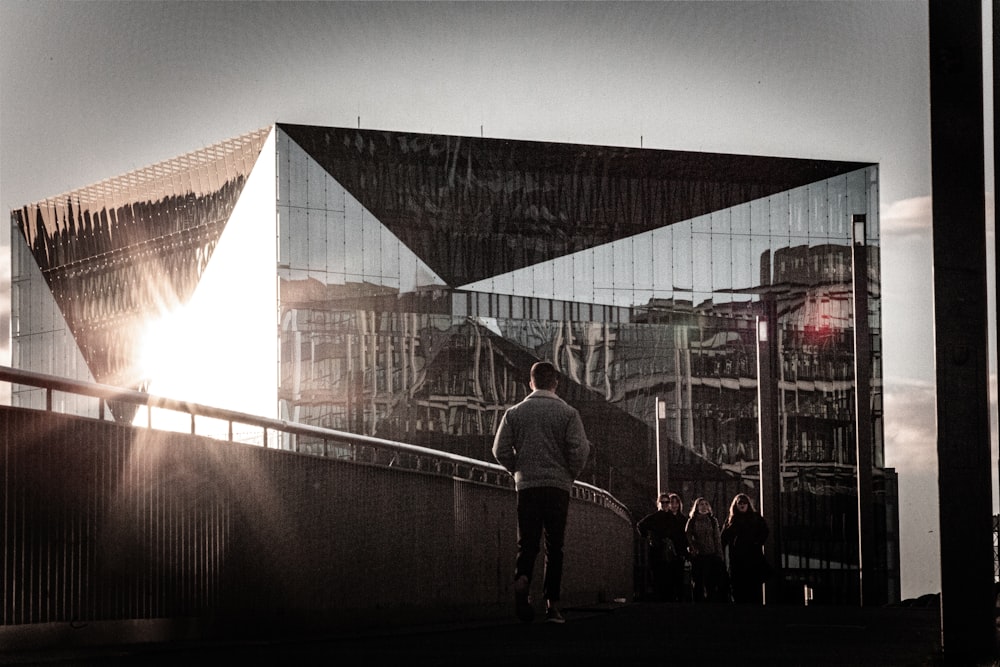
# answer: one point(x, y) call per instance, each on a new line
point(541, 442)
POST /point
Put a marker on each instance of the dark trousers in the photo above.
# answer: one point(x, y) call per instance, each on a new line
point(708, 576)
point(746, 583)
point(539, 510)
point(667, 578)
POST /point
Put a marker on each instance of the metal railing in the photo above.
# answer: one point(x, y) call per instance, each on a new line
point(301, 438)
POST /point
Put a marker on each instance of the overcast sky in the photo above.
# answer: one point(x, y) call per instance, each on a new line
point(89, 90)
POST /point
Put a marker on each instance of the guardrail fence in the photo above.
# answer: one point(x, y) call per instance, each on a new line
point(104, 522)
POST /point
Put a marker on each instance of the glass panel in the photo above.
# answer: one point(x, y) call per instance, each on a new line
point(779, 217)
point(722, 262)
point(284, 235)
point(683, 278)
point(743, 274)
point(389, 255)
point(603, 274)
point(760, 217)
point(819, 221)
point(316, 241)
point(663, 264)
point(543, 278)
point(622, 261)
point(583, 274)
point(336, 196)
point(642, 264)
point(523, 282)
point(504, 284)
point(564, 279)
point(282, 173)
point(517, 308)
point(317, 181)
point(840, 227)
point(761, 256)
point(798, 211)
point(298, 241)
point(15, 311)
point(857, 191)
point(701, 256)
point(874, 227)
point(336, 247)
point(740, 219)
point(503, 306)
point(297, 183)
point(354, 242)
point(722, 221)
point(371, 249)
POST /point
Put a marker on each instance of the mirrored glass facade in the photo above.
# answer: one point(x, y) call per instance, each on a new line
point(419, 277)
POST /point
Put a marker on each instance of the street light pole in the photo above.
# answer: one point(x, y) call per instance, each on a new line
point(662, 458)
point(769, 441)
point(867, 549)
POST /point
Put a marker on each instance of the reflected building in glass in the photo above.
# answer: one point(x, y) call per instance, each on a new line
point(401, 285)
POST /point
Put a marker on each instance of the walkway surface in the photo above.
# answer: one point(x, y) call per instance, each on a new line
point(629, 634)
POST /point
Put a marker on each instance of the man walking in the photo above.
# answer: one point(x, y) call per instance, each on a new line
point(541, 442)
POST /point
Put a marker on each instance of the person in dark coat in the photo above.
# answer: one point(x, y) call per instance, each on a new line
point(663, 531)
point(743, 534)
point(708, 569)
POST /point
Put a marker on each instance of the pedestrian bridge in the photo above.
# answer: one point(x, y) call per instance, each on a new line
point(244, 522)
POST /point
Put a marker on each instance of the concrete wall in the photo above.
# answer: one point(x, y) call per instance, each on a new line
point(121, 530)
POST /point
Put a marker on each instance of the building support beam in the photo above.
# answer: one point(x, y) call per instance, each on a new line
point(769, 444)
point(968, 631)
point(870, 584)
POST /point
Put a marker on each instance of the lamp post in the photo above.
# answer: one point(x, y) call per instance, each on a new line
point(662, 458)
point(867, 550)
point(769, 440)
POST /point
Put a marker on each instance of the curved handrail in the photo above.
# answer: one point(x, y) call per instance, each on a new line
point(361, 448)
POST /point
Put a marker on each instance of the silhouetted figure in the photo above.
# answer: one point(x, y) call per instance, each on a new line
point(666, 542)
point(743, 535)
point(708, 569)
point(542, 443)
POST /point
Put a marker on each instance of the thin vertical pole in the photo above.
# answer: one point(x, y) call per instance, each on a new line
point(659, 455)
point(662, 457)
point(769, 441)
point(867, 549)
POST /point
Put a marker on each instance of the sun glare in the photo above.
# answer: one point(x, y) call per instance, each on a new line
point(220, 348)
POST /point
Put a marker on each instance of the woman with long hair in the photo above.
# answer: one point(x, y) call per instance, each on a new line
point(743, 535)
point(708, 568)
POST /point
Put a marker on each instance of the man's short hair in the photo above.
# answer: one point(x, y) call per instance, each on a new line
point(544, 375)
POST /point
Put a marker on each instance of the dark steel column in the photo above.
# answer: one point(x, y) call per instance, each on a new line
point(996, 181)
point(769, 442)
point(968, 632)
point(868, 567)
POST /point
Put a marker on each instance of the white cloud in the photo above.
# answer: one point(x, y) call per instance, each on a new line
point(910, 398)
point(911, 448)
point(910, 425)
point(907, 216)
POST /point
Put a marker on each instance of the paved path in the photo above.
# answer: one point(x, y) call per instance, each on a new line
point(632, 634)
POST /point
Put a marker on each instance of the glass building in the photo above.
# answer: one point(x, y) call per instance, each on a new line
point(401, 285)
